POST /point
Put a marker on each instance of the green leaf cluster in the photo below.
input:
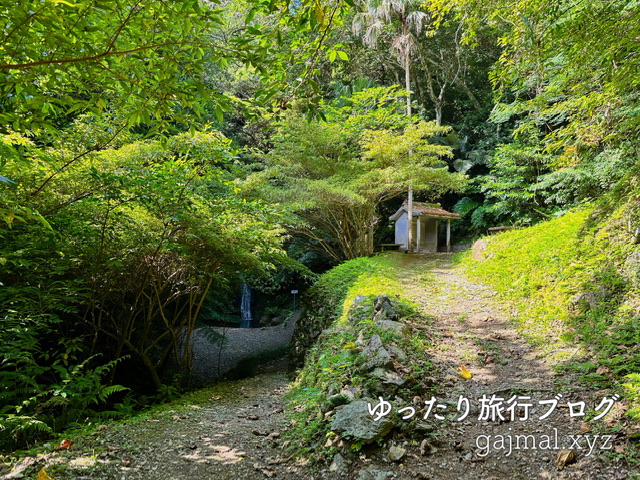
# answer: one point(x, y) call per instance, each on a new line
point(333, 175)
point(136, 237)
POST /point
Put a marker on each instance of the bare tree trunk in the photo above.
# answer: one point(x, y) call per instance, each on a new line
point(438, 100)
point(407, 81)
point(371, 244)
point(463, 85)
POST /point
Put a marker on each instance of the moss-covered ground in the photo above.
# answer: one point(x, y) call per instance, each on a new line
point(572, 284)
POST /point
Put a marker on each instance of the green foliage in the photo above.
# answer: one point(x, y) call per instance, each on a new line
point(465, 205)
point(139, 61)
point(334, 175)
point(330, 297)
point(633, 387)
point(46, 387)
point(142, 69)
point(569, 87)
point(114, 241)
point(123, 271)
point(526, 185)
point(511, 187)
point(145, 63)
point(565, 103)
point(111, 235)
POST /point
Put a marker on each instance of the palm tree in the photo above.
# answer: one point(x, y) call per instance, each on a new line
point(379, 13)
point(369, 24)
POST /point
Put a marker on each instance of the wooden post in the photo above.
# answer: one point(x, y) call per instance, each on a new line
point(448, 235)
point(410, 221)
point(418, 236)
point(437, 222)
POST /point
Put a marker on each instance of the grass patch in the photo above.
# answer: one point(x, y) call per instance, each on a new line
point(537, 268)
point(328, 300)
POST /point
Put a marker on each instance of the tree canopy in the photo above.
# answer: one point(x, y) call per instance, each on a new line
point(334, 175)
point(155, 156)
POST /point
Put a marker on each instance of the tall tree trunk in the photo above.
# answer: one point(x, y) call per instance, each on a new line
point(407, 81)
point(407, 84)
point(410, 221)
point(438, 100)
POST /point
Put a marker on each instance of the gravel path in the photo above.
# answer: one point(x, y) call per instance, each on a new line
point(472, 329)
point(233, 435)
point(212, 359)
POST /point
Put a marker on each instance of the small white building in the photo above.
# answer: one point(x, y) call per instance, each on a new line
point(426, 217)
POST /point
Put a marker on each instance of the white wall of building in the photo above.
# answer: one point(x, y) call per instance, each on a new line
point(428, 233)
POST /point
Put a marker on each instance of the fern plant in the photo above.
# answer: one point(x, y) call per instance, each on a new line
point(45, 389)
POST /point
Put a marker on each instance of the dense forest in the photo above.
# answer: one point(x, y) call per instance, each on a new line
point(156, 156)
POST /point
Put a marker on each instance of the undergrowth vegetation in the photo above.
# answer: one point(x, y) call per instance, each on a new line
point(334, 363)
point(572, 282)
point(331, 295)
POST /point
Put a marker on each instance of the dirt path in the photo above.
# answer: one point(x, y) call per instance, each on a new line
point(232, 435)
point(471, 329)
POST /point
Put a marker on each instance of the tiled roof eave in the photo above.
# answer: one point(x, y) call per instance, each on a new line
point(418, 213)
point(433, 215)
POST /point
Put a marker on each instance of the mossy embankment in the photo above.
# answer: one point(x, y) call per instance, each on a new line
point(352, 307)
point(574, 283)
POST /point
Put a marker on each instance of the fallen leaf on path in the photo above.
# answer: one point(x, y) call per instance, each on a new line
point(464, 373)
point(585, 428)
point(43, 475)
point(565, 457)
point(65, 444)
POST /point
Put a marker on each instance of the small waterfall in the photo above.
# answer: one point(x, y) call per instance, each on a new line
point(245, 306)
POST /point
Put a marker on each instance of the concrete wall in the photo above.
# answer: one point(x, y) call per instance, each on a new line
point(212, 359)
point(401, 231)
